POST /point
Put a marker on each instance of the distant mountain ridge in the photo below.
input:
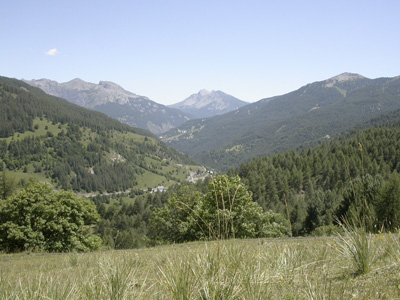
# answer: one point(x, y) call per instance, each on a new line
point(116, 102)
point(306, 116)
point(207, 104)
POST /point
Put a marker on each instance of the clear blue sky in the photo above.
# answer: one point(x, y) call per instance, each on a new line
point(168, 49)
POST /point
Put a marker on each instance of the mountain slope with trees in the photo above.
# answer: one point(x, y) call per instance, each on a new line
point(306, 116)
point(75, 148)
point(352, 175)
point(356, 174)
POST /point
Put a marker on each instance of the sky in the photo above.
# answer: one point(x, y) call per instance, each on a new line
point(169, 49)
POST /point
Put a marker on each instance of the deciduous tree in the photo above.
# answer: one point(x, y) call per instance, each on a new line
point(227, 210)
point(40, 219)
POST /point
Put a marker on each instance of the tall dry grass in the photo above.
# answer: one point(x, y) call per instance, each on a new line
point(307, 268)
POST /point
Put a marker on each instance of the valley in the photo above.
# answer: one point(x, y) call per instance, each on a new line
point(303, 118)
point(295, 159)
point(213, 150)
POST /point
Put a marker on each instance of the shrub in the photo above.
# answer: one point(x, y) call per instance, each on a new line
point(326, 230)
point(40, 219)
point(226, 211)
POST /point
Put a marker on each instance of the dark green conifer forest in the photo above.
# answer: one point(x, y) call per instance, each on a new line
point(352, 175)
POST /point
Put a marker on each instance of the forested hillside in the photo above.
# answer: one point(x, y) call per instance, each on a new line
point(309, 115)
point(50, 139)
point(351, 175)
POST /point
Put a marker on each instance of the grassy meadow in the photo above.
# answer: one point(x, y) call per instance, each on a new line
point(297, 268)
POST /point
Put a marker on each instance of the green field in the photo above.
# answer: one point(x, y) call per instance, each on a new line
point(305, 268)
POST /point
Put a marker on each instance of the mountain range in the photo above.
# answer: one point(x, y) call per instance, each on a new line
point(109, 98)
point(139, 111)
point(207, 104)
point(302, 118)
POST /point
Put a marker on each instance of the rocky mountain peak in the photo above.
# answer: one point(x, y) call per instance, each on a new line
point(77, 84)
point(206, 104)
point(343, 77)
point(76, 81)
point(116, 102)
point(203, 92)
point(41, 83)
point(110, 85)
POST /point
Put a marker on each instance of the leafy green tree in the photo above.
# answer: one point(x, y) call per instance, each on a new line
point(40, 219)
point(227, 210)
point(176, 221)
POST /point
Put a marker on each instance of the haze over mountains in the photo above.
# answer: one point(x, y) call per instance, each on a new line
point(139, 111)
point(207, 104)
point(306, 116)
point(114, 101)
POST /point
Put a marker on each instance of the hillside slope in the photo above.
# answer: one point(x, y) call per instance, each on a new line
point(117, 103)
point(50, 139)
point(317, 185)
point(308, 115)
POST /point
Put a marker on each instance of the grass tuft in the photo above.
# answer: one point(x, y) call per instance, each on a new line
point(358, 246)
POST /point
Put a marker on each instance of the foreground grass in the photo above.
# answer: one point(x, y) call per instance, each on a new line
point(238, 269)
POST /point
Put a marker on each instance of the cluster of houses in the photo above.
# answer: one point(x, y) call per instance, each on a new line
point(194, 176)
point(160, 188)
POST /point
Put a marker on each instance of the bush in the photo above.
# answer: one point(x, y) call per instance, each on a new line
point(40, 219)
point(326, 230)
point(226, 211)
